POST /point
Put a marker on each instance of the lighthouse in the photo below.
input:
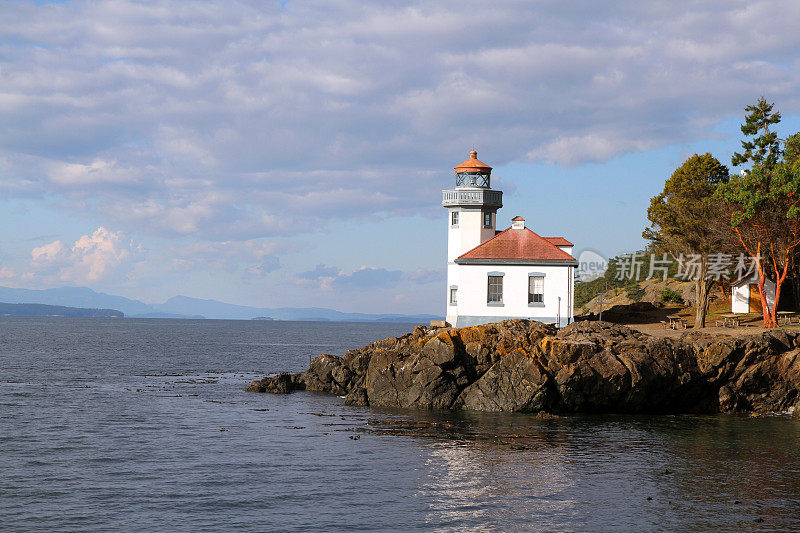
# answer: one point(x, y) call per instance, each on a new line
point(495, 275)
point(471, 214)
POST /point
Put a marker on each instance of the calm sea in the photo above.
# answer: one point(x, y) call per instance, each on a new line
point(145, 425)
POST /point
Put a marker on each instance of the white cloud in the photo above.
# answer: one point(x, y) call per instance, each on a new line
point(82, 175)
point(90, 259)
point(237, 120)
point(47, 254)
point(591, 147)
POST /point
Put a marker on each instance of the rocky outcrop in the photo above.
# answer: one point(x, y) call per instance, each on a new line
point(522, 365)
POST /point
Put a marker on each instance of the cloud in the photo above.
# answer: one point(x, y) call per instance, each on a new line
point(320, 271)
point(227, 256)
point(271, 264)
point(366, 277)
point(90, 259)
point(425, 276)
point(369, 277)
point(239, 120)
point(591, 147)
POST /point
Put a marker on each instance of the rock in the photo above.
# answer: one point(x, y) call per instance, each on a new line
point(716, 357)
point(727, 400)
point(440, 350)
point(526, 366)
point(326, 374)
point(515, 383)
point(283, 383)
point(357, 397)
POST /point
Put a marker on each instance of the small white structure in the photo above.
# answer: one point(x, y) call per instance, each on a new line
point(494, 275)
point(745, 297)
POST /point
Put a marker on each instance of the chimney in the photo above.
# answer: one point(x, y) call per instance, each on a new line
point(517, 223)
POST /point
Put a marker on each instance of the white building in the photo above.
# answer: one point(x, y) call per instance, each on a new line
point(745, 297)
point(494, 275)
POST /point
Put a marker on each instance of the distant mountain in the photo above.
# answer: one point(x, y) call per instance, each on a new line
point(166, 315)
point(74, 297)
point(186, 307)
point(7, 309)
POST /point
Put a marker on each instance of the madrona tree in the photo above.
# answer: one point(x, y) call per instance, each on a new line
point(762, 203)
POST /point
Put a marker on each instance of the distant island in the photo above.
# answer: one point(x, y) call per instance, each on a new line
point(7, 309)
point(267, 318)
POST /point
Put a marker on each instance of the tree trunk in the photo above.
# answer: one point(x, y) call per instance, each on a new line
point(769, 321)
point(702, 291)
point(780, 277)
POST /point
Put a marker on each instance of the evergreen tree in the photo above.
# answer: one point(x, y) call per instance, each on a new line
point(685, 220)
point(763, 150)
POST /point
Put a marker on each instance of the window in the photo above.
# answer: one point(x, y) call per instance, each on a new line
point(453, 295)
point(495, 293)
point(454, 218)
point(536, 289)
point(487, 220)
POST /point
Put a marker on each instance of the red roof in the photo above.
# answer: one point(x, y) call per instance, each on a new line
point(558, 241)
point(517, 245)
point(473, 164)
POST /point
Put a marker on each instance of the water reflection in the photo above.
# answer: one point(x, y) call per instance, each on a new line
point(481, 481)
point(604, 473)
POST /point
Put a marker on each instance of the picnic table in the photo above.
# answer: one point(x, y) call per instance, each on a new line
point(730, 320)
point(676, 321)
point(785, 317)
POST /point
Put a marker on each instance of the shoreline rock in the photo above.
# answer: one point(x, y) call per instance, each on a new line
point(587, 367)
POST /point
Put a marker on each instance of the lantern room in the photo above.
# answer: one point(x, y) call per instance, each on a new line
point(473, 173)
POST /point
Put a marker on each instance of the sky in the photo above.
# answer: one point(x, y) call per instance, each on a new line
point(293, 153)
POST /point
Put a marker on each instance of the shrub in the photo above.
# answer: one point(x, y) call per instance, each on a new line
point(670, 295)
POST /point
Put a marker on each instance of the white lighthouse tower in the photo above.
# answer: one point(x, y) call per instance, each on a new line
point(471, 216)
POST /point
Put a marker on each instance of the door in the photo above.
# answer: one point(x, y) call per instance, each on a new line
point(755, 300)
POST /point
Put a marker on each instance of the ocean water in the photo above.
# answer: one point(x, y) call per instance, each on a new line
point(145, 425)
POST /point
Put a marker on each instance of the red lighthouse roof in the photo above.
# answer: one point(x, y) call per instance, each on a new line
point(473, 165)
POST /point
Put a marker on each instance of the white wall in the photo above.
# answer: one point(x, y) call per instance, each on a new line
point(472, 292)
point(469, 233)
point(460, 239)
point(740, 297)
point(567, 249)
point(452, 280)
